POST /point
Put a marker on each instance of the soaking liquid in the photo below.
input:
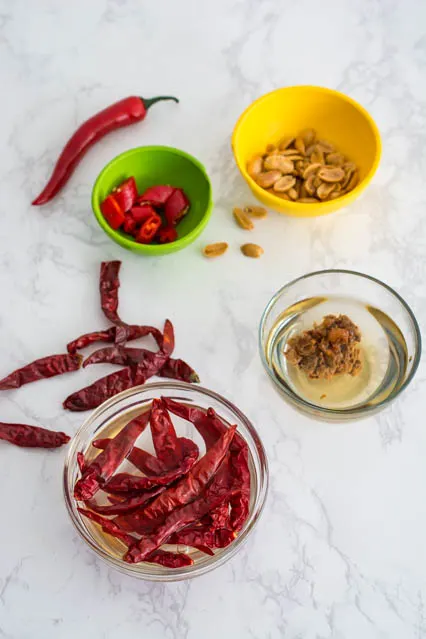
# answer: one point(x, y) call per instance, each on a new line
point(384, 354)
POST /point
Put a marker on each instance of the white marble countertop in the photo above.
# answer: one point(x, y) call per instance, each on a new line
point(340, 551)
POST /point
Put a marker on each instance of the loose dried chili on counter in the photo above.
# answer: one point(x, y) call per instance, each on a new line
point(109, 283)
point(186, 490)
point(109, 335)
point(101, 469)
point(41, 369)
point(180, 370)
point(32, 436)
point(218, 491)
point(94, 395)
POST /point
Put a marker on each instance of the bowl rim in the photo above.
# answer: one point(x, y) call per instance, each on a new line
point(189, 571)
point(295, 206)
point(152, 249)
point(354, 411)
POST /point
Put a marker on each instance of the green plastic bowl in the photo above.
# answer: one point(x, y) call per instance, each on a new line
point(152, 165)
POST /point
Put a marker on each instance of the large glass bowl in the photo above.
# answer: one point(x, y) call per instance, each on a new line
point(322, 292)
point(106, 420)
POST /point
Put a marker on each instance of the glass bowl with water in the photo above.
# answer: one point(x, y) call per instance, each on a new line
point(390, 343)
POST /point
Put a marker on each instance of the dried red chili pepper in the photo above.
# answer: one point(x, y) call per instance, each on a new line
point(162, 557)
point(112, 212)
point(166, 443)
point(127, 483)
point(32, 436)
point(108, 526)
point(101, 469)
point(109, 335)
point(129, 505)
point(104, 388)
point(170, 559)
point(186, 490)
point(124, 356)
point(218, 491)
point(196, 536)
point(156, 195)
point(168, 344)
point(148, 229)
point(176, 207)
point(240, 502)
point(125, 194)
point(150, 465)
point(178, 369)
point(122, 113)
point(41, 369)
point(218, 517)
point(109, 283)
point(167, 234)
point(81, 461)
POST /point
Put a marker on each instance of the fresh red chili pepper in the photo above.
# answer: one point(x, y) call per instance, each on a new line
point(178, 369)
point(186, 490)
point(112, 212)
point(125, 194)
point(150, 465)
point(41, 369)
point(129, 505)
point(126, 483)
point(142, 212)
point(120, 114)
point(167, 234)
point(109, 335)
point(148, 229)
point(162, 557)
point(104, 388)
point(157, 195)
point(218, 491)
point(176, 207)
point(32, 436)
point(129, 225)
point(197, 536)
point(101, 469)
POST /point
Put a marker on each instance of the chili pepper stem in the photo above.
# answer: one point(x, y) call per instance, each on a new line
point(148, 102)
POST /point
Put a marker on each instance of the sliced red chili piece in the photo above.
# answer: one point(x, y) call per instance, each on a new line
point(112, 212)
point(176, 207)
point(41, 369)
point(148, 229)
point(130, 226)
point(101, 469)
point(157, 195)
point(142, 212)
point(32, 436)
point(167, 234)
point(125, 194)
point(186, 490)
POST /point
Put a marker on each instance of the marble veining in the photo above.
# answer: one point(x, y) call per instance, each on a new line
point(339, 552)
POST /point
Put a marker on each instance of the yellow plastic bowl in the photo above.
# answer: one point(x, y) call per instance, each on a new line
point(336, 118)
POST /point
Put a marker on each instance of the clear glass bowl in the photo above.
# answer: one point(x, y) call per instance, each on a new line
point(111, 416)
point(390, 343)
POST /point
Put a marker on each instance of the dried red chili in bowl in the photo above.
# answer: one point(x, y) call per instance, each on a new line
point(195, 512)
